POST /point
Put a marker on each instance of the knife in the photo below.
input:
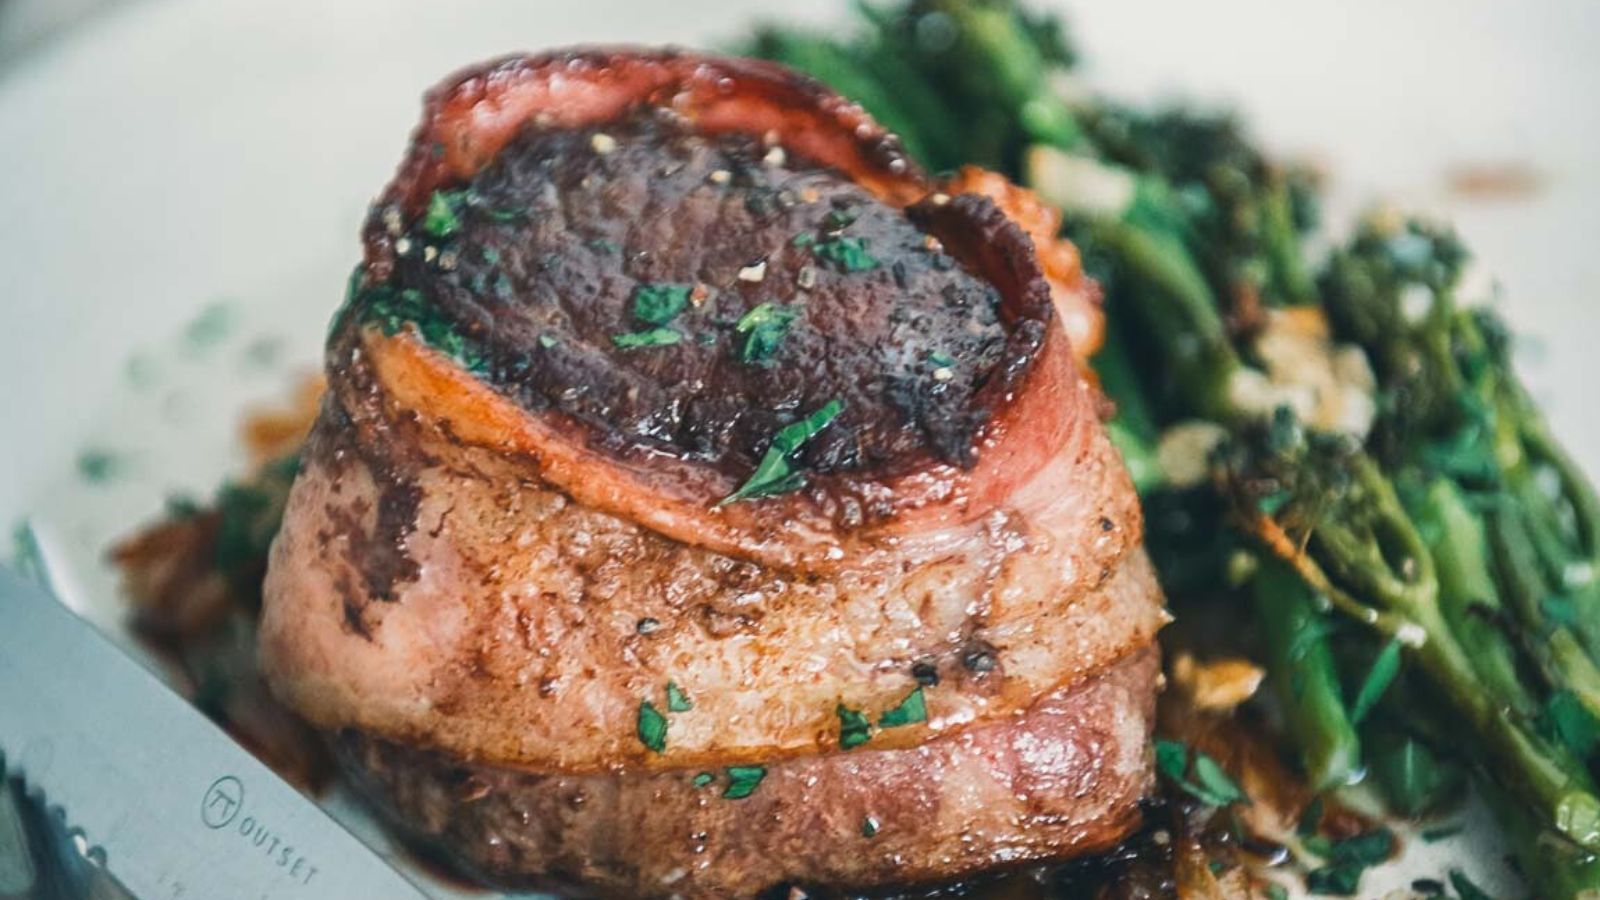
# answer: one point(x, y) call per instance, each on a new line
point(170, 805)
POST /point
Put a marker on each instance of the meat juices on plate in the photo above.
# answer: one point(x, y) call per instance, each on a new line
point(704, 502)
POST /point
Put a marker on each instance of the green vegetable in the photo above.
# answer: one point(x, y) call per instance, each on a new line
point(742, 781)
point(703, 779)
point(1348, 860)
point(1414, 779)
point(654, 337)
point(392, 310)
point(652, 727)
point(854, 728)
point(659, 303)
point(849, 254)
point(764, 327)
point(442, 218)
point(1378, 679)
point(677, 700)
point(1300, 665)
point(776, 473)
point(909, 711)
point(1210, 784)
point(98, 466)
point(869, 827)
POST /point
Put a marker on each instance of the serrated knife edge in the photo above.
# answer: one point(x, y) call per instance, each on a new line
point(180, 809)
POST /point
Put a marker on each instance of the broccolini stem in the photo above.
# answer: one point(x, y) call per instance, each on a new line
point(1300, 663)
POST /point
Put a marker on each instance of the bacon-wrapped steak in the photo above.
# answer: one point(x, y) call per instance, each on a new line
point(704, 502)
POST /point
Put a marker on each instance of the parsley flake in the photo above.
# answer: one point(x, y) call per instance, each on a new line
point(764, 327)
point(98, 466)
point(655, 337)
point(1335, 880)
point(742, 781)
point(912, 709)
point(652, 727)
point(1348, 860)
point(775, 474)
point(854, 729)
point(703, 779)
point(941, 359)
point(1277, 892)
point(442, 218)
point(659, 303)
point(869, 827)
point(848, 253)
point(392, 311)
point(677, 700)
point(1211, 785)
point(547, 341)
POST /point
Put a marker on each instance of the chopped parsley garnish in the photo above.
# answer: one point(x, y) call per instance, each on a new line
point(677, 700)
point(1335, 880)
point(98, 466)
point(742, 781)
point(848, 253)
point(776, 474)
point(838, 219)
point(1465, 887)
point(393, 310)
point(854, 729)
point(1277, 892)
point(659, 303)
point(912, 709)
point(652, 727)
point(1210, 784)
point(655, 337)
point(703, 779)
point(1384, 669)
point(547, 341)
point(1347, 860)
point(941, 359)
point(803, 239)
point(209, 327)
point(442, 218)
point(764, 328)
point(869, 827)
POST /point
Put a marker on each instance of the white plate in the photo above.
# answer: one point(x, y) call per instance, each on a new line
point(178, 154)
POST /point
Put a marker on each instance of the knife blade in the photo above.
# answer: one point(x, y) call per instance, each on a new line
point(44, 857)
point(178, 808)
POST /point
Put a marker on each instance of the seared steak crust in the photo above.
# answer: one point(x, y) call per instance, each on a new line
point(552, 245)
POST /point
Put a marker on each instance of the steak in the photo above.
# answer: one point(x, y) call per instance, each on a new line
point(704, 500)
